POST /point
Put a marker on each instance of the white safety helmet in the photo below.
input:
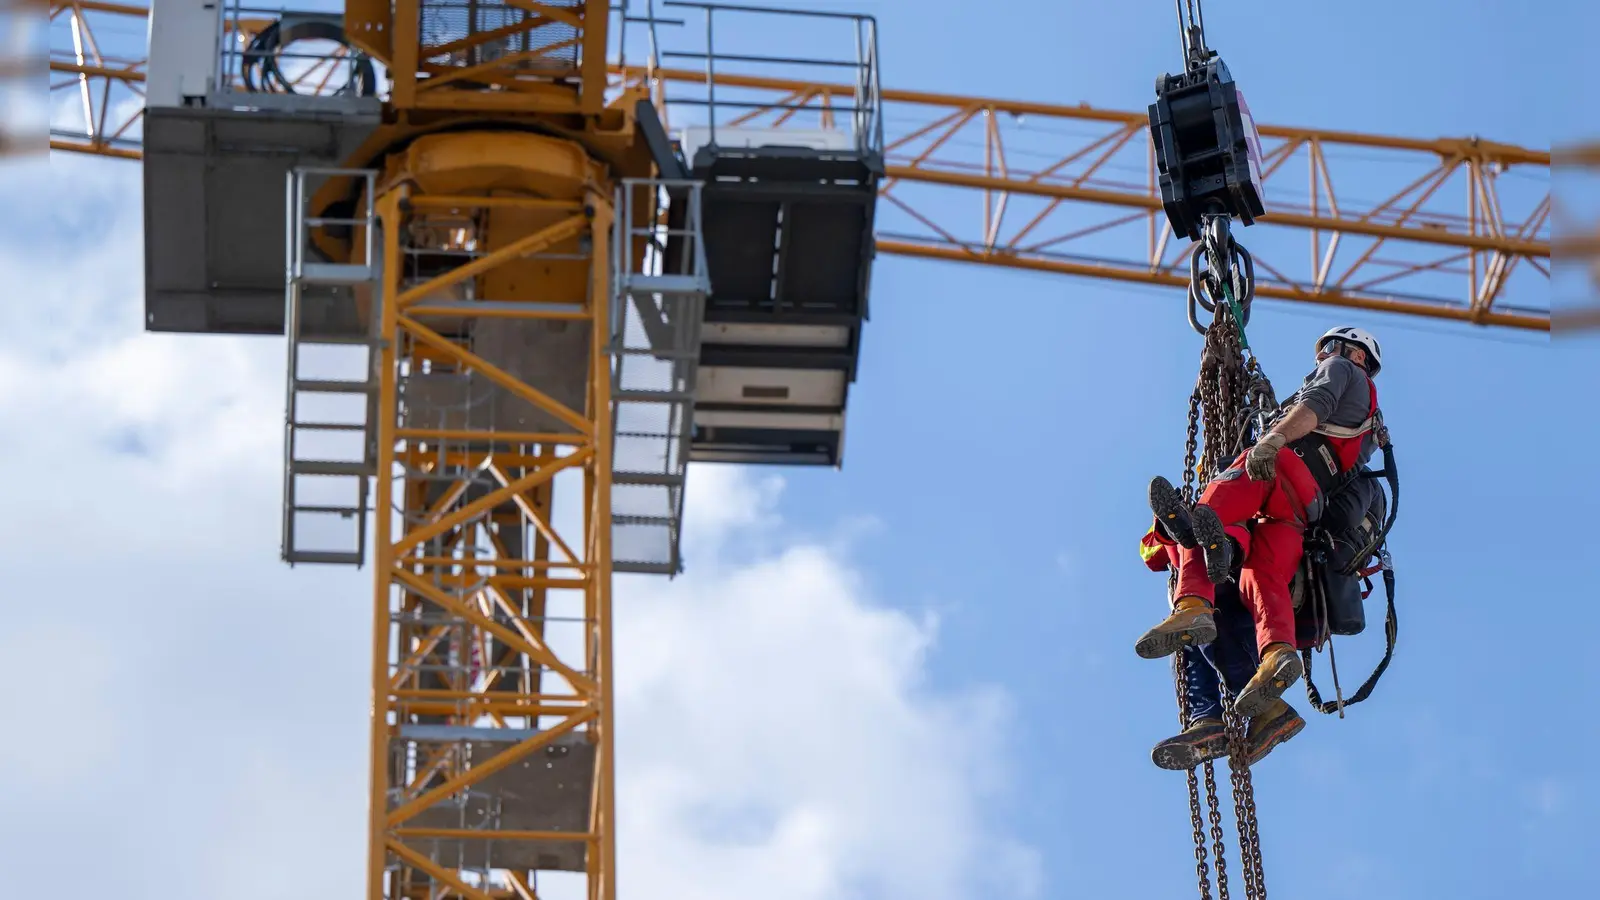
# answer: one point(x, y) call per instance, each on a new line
point(1361, 338)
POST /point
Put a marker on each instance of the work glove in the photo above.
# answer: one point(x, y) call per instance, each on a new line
point(1262, 463)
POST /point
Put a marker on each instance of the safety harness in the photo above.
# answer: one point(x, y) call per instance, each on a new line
point(1318, 570)
point(1330, 451)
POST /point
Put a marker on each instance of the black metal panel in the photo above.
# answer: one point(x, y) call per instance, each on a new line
point(792, 250)
point(214, 215)
point(755, 356)
point(825, 257)
point(740, 239)
point(796, 164)
point(765, 446)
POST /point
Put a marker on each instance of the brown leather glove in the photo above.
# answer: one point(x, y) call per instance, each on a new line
point(1262, 462)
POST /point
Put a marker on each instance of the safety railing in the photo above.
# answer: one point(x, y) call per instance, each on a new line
point(725, 105)
point(660, 282)
point(331, 385)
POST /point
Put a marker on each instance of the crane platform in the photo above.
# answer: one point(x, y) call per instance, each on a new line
point(219, 147)
point(788, 224)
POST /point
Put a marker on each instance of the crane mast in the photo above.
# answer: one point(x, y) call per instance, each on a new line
point(481, 269)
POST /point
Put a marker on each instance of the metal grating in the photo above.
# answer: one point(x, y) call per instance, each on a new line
point(473, 32)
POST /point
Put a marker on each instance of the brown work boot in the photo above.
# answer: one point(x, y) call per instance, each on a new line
point(1280, 667)
point(1203, 740)
point(1278, 723)
point(1190, 625)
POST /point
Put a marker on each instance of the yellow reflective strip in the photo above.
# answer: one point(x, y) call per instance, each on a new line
point(1148, 548)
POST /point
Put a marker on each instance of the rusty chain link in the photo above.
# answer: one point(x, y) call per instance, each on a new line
point(1201, 870)
point(1231, 400)
point(1215, 815)
point(1216, 827)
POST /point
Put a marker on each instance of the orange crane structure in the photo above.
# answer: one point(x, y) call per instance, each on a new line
point(552, 272)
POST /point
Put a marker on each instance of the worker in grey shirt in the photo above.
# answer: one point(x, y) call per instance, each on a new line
point(1325, 429)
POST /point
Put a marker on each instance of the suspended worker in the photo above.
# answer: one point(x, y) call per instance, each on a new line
point(1230, 658)
point(1322, 431)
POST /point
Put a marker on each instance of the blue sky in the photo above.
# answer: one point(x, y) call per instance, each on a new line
point(1001, 433)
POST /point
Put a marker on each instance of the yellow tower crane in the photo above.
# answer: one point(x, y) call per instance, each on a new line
point(539, 285)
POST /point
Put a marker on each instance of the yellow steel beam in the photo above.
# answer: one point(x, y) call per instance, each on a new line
point(105, 69)
point(1454, 244)
point(1528, 321)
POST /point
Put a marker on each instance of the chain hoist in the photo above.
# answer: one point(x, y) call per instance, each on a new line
point(1208, 158)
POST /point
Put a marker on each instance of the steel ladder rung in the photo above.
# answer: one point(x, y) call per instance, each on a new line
point(650, 479)
point(331, 557)
point(342, 340)
point(346, 274)
point(330, 467)
point(329, 426)
point(341, 510)
point(325, 386)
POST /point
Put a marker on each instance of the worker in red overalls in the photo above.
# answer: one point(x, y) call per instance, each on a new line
point(1324, 430)
point(1229, 659)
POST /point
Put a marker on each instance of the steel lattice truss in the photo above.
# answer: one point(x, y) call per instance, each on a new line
point(97, 72)
point(1450, 229)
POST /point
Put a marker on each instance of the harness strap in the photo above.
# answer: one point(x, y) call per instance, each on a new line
point(1350, 431)
point(1391, 630)
point(1317, 452)
point(1373, 420)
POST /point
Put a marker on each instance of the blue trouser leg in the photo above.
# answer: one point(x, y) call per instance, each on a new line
point(1233, 654)
point(1200, 686)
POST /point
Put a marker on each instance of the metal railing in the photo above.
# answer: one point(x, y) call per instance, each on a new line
point(864, 113)
point(660, 282)
point(329, 452)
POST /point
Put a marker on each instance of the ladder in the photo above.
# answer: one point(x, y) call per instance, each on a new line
point(660, 282)
point(329, 451)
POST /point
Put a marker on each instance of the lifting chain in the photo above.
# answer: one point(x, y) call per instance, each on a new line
point(1202, 871)
point(1231, 402)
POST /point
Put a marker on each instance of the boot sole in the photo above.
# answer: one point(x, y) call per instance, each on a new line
point(1155, 646)
point(1168, 505)
point(1213, 539)
point(1288, 731)
point(1182, 757)
point(1252, 703)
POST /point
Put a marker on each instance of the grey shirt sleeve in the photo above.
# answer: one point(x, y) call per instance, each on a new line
point(1326, 387)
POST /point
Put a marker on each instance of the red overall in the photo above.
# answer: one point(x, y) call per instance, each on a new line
point(1155, 548)
point(1278, 508)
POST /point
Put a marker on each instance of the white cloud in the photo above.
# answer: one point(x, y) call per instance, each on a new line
point(777, 723)
point(197, 712)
